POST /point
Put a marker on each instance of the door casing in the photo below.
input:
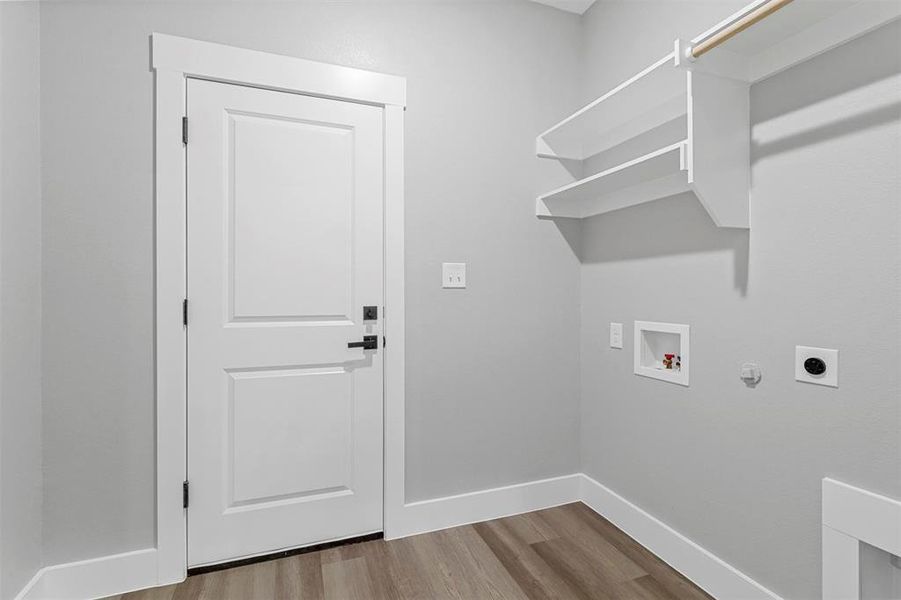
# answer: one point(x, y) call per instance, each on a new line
point(174, 60)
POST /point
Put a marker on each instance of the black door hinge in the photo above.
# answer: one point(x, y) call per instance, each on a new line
point(184, 130)
point(184, 312)
point(384, 342)
point(184, 494)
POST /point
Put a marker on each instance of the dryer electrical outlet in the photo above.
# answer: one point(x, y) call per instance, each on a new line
point(816, 365)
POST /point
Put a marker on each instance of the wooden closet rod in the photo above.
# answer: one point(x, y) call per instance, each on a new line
point(758, 14)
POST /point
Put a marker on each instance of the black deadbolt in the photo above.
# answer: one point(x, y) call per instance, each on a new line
point(815, 366)
point(370, 313)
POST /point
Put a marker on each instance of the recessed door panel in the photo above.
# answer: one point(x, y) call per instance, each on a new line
point(291, 214)
point(291, 434)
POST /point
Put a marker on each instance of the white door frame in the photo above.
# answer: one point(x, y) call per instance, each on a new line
point(175, 59)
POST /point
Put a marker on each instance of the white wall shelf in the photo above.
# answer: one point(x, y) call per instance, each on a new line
point(797, 32)
point(654, 175)
point(711, 159)
point(650, 98)
point(710, 94)
point(710, 156)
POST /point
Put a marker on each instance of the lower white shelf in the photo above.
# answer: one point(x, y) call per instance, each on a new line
point(650, 177)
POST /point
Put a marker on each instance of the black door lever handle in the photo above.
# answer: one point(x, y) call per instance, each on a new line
point(370, 342)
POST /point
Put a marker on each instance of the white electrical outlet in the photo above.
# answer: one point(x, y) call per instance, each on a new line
point(616, 335)
point(453, 275)
point(816, 365)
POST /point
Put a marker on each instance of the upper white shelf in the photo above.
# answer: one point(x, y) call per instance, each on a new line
point(796, 32)
point(650, 98)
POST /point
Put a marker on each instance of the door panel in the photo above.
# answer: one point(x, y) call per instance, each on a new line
point(284, 250)
point(270, 426)
point(280, 227)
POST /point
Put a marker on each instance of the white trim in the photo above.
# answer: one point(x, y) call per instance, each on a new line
point(207, 60)
point(852, 515)
point(484, 505)
point(94, 578)
point(394, 323)
point(174, 60)
point(169, 334)
point(706, 570)
point(121, 573)
point(574, 6)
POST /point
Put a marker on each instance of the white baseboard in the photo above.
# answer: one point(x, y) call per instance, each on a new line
point(705, 569)
point(95, 578)
point(484, 505)
point(120, 573)
point(25, 592)
point(710, 573)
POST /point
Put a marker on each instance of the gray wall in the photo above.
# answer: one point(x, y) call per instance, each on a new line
point(738, 469)
point(492, 387)
point(20, 297)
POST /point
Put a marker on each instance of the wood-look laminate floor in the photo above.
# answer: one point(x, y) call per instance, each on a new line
point(558, 553)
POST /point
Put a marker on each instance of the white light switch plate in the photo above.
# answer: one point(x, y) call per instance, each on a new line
point(453, 275)
point(829, 356)
point(616, 335)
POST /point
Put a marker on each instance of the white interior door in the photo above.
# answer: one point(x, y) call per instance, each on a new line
point(285, 209)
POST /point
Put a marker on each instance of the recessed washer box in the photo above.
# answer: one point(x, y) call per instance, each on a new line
point(653, 341)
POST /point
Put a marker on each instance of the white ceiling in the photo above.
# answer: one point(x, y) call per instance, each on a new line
point(575, 6)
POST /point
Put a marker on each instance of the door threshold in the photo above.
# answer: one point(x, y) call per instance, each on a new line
point(241, 562)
